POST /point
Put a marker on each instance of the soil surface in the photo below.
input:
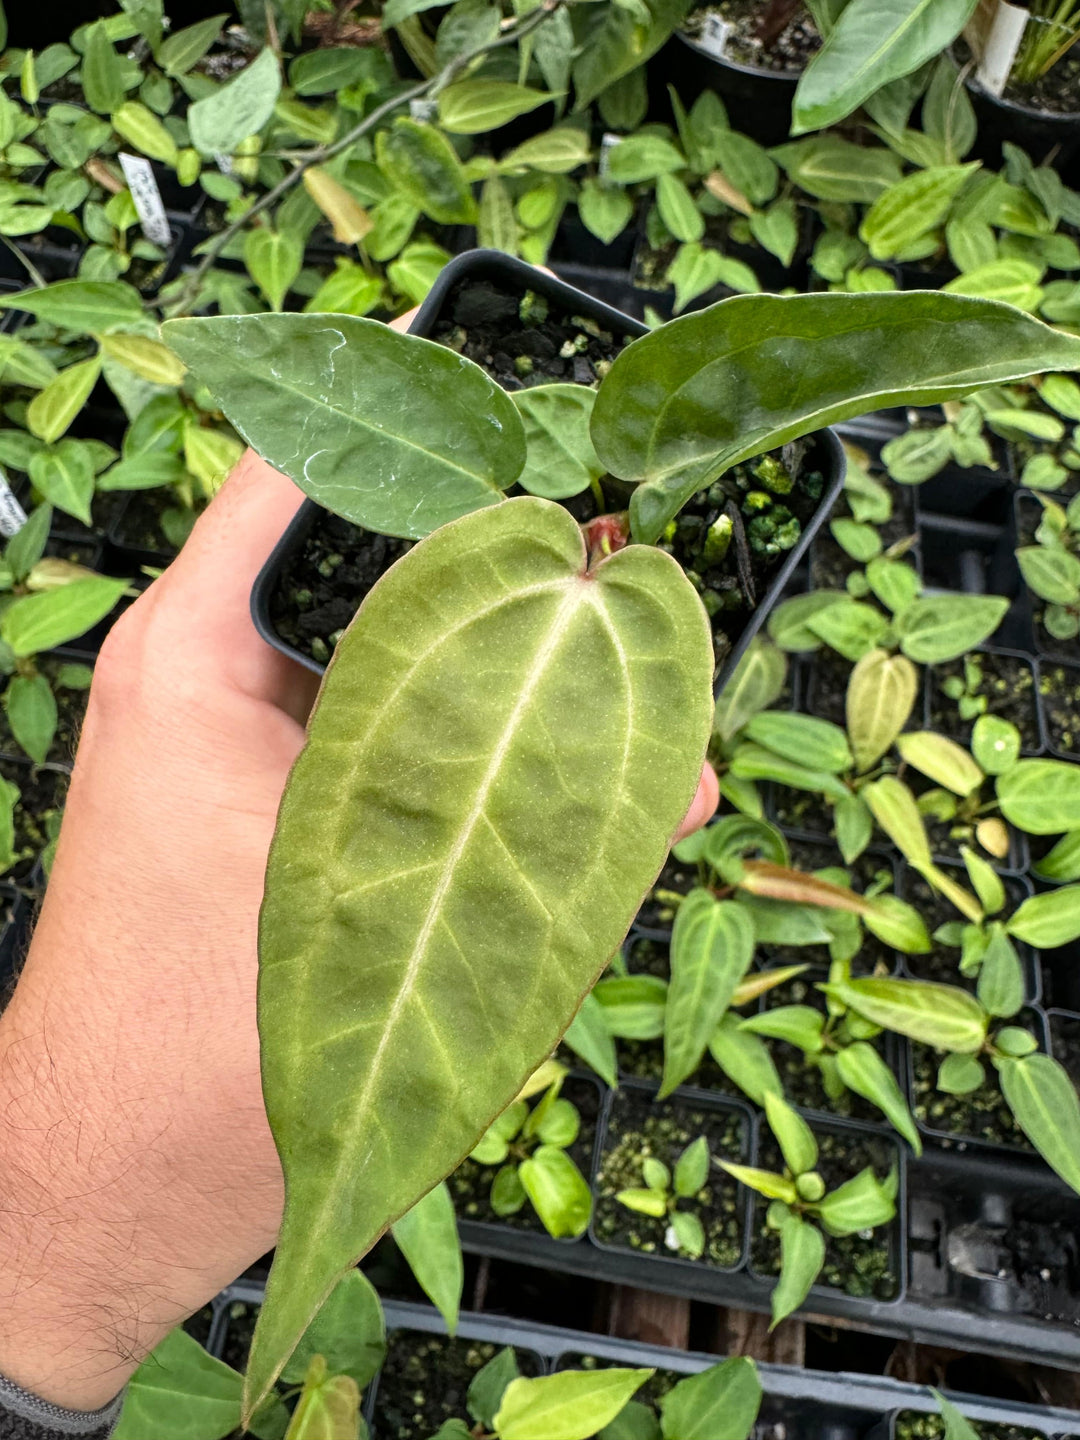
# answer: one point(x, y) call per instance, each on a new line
point(640, 1127)
point(470, 1184)
point(915, 1425)
point(70, 710)
point(1065, 1043)
point(150, 521)
point(982, 1115)
point(830, 564)
point(425, 1382)
point(1007, 686)
point(788, 51)
point(1059, 686)
point(862, 1265)
point(827, 687)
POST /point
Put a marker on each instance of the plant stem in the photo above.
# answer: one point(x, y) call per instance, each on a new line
point(31, 268)
point(319, 154)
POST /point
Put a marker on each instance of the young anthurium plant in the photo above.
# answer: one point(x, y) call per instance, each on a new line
point(804, 1210)
point(437, 906)
point(1036, 1087)
point(659, 1196)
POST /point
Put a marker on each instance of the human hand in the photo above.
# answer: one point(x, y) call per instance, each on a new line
point(139, 1175)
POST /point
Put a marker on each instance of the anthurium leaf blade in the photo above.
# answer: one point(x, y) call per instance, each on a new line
point(427, 1235)
point(863, 1070)
point(940, 1015)
point(1043, 1099)
point(723, 1400)
point(416, 974)
point(570, 1405)
point(179, 1374)
point(691, 399)
point(395, 433)
point(712, 947)
point(1040, 796)
point(349, 1332)
point(802, 1252)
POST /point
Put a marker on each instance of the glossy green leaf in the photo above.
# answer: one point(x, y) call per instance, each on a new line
point(441, 875)
point(401, 434)
point(689, 400)
point(940, 1015)
point(864, 1071)
point(816, 744)
point(349, 1332)
point(802, 1254)
point(936, 628)
point(1040, 796)
point(473, 107)
point(33, 623)
point(31, 713)
point(861, 1203)
point(633, 1005)
point(1060, 863)
point(1044, 1103)
point(757, 683)
point(872, 43)
point(64, 475)
point(744, 1058)
point(560, 460)
point(1044, 921)
point(720, 1402)
point(82, 306)
point(427, 1235)
point(570, 1405)
point(425, 170)
point(590, 1038)
point(880, 697)
point(237, 109)
point(907, 211)
point(52, 410)
point(941, 760)
point(712, 947)
point(795, 1138)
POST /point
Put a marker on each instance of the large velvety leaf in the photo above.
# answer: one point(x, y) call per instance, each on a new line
point(502, 749)
point(395, 433)
point(1044, 1101)
point(712, 946)
point(689, 400)
point(872, 43)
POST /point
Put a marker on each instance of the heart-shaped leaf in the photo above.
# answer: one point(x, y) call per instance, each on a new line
point(395, 433)
point(489, 787)
point(693, 398)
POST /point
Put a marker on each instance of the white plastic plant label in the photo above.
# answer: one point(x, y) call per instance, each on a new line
point(12, 515)
point(1002, 42)
point(139, 175)
point(714, 36)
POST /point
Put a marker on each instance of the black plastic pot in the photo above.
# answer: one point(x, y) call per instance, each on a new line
point(759, 101)
point(14, 915)
point(1023, 677)
point(1061, 734)
point(1040, 133)
point(493, 265)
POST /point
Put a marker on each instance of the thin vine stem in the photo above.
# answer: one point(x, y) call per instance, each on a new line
point(319, 154)
point(31, 269)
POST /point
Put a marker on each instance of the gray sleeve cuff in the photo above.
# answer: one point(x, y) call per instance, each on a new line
point(24, 1417)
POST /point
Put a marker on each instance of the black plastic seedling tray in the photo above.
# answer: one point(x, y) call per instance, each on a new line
point(511, 273)
point(802, 1404)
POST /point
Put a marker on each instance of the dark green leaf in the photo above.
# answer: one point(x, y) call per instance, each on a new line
point(720, 1403)
point(427, 1235)
point(348, 1332)
point(864, 1071)
point(487, 1387)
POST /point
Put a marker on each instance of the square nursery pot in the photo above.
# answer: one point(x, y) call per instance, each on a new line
point(315, 546)
point(1028, 513)
point(663, 1129)
point(1010, 687)
point(1059, 700)
point(759, 100)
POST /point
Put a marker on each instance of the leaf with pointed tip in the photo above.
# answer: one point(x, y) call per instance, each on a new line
point(436, 904)
point(689, 400)
point(712, 947)
point(394, 433)
point(427, 1235)
point(1043, 1100)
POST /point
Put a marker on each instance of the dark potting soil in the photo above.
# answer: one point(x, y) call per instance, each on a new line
point(943, 961)
point(640, 1127)
point(151, 521)
point(982, 1115)
point(1057, 92)
point(198, 1325)
point(919, 1425)
point(827, 686)
point(425, 1382)
point(70, 711)
point(803, 1082)
point(42, 791)
point(786, 51)
point(1007, 686)
point(1065, 1043)
point(830, 564)
point(677, 877)
point(862, 1264)
point(470, 1184)
point(1059, 686)
point(239, 1329)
